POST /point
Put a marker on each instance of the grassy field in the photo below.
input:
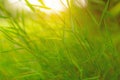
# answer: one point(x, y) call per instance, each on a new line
point(80, 43)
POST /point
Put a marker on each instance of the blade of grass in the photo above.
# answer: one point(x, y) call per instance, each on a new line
point(104, 12)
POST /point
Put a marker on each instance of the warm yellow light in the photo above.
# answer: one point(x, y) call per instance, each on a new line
point(56, 5)
point(50, 6)
point(53, 5)
point(34, 2)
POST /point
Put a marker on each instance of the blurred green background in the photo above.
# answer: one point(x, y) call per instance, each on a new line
point(79, 43)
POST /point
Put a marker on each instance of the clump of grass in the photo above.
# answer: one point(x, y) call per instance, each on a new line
point(65, 46)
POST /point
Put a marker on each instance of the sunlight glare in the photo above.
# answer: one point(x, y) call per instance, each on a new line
point(34, 2)
point(56, 5)
point(51, 5)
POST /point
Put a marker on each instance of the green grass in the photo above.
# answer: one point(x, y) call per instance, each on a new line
point(78, 44)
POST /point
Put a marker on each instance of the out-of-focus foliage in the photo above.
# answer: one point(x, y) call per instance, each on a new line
point(79, 43)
